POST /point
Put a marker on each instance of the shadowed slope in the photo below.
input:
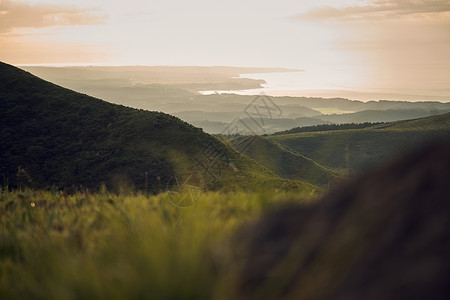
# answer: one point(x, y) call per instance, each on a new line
point(283, 162)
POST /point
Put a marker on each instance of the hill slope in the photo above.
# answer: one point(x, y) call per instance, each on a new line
point(439, 122)
point(382, 115)
point(282, 161)
point(358, 149)
point(52, 136)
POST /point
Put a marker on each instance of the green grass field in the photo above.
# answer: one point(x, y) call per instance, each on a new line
point(106, 246)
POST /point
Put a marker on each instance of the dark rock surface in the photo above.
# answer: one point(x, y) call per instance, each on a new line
point(384, 236)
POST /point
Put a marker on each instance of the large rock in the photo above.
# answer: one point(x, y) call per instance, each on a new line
point(385, 236)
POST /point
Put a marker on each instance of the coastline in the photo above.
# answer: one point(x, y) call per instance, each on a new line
point(280, 87)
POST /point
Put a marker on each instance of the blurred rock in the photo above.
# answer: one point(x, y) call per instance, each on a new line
point(384, 236)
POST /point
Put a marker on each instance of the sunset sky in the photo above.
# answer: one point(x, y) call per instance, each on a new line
point(383, 43)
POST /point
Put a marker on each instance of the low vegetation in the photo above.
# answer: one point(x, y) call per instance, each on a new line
point(107, 246)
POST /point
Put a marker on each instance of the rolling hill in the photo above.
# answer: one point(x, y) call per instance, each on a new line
point(282, 161)
point(54, 137)
point(388, 115)
point(433, 123)
point(359, 149)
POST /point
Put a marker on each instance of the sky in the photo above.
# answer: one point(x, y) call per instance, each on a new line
point(383, 44)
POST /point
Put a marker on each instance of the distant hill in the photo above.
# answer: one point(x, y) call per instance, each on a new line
point(357, 106)
point(283, 162)
point(327, 127)
point(52, 136)
point(388, 115)
point(439, 122)
point(271, 125)
point(359, 149)
point(179, 91)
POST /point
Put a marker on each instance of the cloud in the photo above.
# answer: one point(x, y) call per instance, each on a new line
point(24, 15)
point(378, 9)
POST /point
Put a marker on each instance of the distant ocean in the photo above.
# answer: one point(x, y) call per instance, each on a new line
point(335, 84)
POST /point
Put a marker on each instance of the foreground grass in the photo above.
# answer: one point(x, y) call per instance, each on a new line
point(104, 246)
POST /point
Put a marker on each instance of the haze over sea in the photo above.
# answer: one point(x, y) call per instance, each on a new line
point(338, 82)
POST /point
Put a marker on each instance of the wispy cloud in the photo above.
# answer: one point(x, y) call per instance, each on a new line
point(24, 15)
point(378, 9)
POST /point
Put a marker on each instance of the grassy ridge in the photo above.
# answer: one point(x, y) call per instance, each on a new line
point(365, 148)
point(439, 122)
point(282, 161)
point(104, 246)
point(309, 153)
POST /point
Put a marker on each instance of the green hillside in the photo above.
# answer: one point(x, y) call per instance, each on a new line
point(52, 136)
point(282, 161)
point(359, 149)
point(389, 115)
point(439, 122)
point(327, 127)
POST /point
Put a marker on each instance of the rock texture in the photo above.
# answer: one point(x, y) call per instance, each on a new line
point(384, 236)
